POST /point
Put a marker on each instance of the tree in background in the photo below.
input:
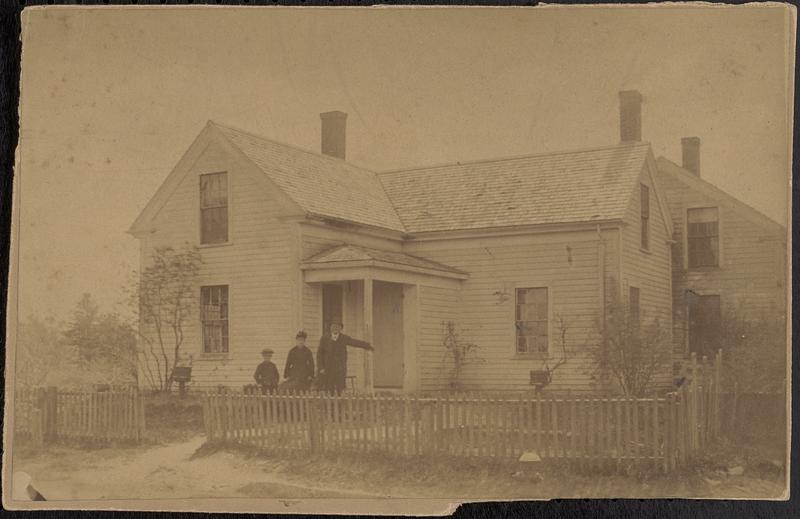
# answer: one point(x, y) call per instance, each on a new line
point(105, 344)
point(632, 351)
point(42, 355)
point(164, 297)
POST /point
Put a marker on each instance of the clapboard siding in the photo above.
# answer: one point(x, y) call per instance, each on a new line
point(499, 265)
point(436, 307)
point(258, 266)
point(648, 269)
point(752, 274)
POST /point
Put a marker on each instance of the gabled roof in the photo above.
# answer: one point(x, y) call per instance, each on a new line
point(562, 187)
point(667, 167)
point(322, 185)
point(348, 254)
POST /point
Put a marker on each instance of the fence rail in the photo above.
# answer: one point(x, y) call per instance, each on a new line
point(47, 413)
point(662, 432)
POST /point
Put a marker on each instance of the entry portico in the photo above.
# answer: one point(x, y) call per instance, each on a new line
point(375, 294)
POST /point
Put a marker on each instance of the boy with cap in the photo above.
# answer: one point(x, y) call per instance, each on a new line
point(266, 375)
point(299, 370)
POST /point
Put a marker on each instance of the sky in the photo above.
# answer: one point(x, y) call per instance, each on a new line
point(111, 99)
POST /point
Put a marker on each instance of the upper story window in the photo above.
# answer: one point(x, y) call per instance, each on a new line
point(214, 318)
point(531, 320)
point(214, 208)
point(702, 235)
point(645, 216)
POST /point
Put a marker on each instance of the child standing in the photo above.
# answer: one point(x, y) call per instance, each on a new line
point(266, 374)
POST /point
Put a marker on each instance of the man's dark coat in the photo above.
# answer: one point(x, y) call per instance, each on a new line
point(332, 358)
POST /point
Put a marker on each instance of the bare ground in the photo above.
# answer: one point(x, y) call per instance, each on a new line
point(186, 469)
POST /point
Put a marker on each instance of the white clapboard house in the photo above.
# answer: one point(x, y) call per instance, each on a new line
point(505, 249)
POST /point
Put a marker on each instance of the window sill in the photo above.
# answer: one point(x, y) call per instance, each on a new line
point(212, 245)
point(530, 356)
point(703, 269)
point(215, 356)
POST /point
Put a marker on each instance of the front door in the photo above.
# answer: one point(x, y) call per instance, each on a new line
point(331, 306)
point(387, 334)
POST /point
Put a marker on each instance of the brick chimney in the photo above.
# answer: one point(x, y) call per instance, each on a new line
point(630, 116)
point(691, 154)
point(333, 133)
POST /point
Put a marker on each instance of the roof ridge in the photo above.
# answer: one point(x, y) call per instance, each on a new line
point(695, 178)
point(292, 146)
point(517, 157)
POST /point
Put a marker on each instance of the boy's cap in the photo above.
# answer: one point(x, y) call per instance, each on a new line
point(339, 323)
point(302, 334)
point(267, 351)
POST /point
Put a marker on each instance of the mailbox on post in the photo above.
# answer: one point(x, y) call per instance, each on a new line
point(540, 378)
point(182, 375)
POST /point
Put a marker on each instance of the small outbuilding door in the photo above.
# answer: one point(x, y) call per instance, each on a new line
point(387, 315)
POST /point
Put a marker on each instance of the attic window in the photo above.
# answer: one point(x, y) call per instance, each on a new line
point(214, 208)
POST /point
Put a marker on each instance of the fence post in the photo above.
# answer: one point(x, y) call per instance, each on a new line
point(36, 428)
point(312, 410)
point(717, 391)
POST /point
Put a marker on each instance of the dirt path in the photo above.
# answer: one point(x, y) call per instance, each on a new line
point(166, 471)
point(175, 471)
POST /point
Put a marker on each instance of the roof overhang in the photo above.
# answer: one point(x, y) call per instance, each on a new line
point(381, 271)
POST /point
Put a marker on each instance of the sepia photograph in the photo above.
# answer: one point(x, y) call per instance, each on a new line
point(387, 260)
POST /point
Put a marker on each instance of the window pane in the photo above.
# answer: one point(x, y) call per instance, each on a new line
point(703, 215)
point(214, 225)
point(531, 320)
point(213, 190)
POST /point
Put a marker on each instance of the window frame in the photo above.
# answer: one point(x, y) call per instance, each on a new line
point(202, 320)
point(685, 241)
point(532, 354)
point(200, 209)
point(644, 219)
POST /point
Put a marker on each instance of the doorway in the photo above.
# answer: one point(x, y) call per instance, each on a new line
point(332, 302)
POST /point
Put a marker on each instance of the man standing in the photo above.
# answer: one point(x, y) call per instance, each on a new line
point(299, 370)
point(332, 357)
point(266, 374)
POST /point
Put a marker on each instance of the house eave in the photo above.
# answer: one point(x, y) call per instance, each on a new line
point(515, 230)
point(341, 265)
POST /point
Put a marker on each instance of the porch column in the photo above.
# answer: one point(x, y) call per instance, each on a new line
point(368, 384)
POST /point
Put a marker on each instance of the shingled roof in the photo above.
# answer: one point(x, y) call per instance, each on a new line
point(322, 185)
point(562, 187)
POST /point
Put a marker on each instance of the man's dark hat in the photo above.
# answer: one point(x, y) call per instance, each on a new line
point(336, 321)
point(302, 334)
point(267, 351)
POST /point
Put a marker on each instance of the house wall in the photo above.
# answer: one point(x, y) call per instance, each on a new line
point(258, 266)
point(648, 269)
point(573, 265)
point(752, 273)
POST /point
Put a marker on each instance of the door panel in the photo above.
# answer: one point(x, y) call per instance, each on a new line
point(387, 331)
